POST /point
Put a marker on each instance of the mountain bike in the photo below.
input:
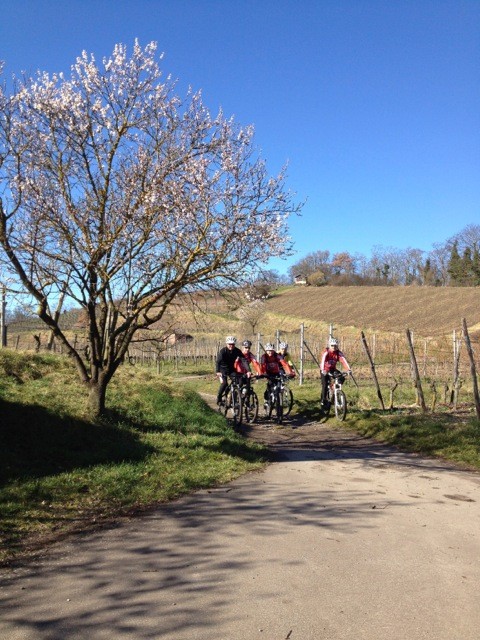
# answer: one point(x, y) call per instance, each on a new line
point(336, 396)
point(280, 398)
point(249, 400)
point(232, 401)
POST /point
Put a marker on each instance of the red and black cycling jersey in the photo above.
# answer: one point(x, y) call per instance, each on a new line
point(274, 364)
point(242, 363)
point(330, 359)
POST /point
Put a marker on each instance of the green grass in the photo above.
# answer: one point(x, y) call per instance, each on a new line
point(438, 435)
point(60, 472)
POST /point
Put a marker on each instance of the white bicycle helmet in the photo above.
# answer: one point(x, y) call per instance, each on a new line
point(230, 340)
point(333, 342)
point(269, 347)
point(283, 345)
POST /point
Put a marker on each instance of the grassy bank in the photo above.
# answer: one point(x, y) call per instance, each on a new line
point(60, 472)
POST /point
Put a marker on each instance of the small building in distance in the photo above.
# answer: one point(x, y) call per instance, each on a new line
point(300, 279)
point(177, 338)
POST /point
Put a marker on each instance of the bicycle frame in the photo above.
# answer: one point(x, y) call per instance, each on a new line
point(249, 399)
point(275, 399)
point(233, 400)
point(336, 395)
point(336, 385)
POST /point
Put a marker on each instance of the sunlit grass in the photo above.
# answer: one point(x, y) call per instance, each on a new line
point(59, 471)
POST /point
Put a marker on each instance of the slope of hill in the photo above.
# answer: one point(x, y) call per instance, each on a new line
point(428, 311)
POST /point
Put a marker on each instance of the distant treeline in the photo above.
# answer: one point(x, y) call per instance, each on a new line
point(456, 262)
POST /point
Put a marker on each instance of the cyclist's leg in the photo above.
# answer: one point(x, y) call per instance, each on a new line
point(279, 403)
point(236, 398)
point(266, 393)
point(221, 389)
point(330, 389)
point(325, 380)
point(267, 407)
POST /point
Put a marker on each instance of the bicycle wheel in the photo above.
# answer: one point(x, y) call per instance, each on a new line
point(250, 406)
point(340, 405)
point(279, 406)
point(287, 401)
point(237, 407)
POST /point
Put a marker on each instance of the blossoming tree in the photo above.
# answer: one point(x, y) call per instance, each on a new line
point(117, 196)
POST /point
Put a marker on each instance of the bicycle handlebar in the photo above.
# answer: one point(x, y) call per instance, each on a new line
point(274, 375)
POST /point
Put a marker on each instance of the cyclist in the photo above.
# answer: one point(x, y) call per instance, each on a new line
point(283, 351)
point(244, 364)
point(272, 363)
point(331, 355)
point(247, 360)
point(225, 365)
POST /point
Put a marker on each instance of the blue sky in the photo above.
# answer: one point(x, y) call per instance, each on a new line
point(374, 104)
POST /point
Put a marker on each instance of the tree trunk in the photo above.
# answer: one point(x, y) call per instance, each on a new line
point(96, 398)
point(56, 318)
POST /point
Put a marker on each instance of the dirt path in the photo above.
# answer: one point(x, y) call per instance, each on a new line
point(340, 539)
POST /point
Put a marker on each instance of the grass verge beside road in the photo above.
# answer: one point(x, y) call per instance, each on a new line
point(59, 472)
point(450, 436)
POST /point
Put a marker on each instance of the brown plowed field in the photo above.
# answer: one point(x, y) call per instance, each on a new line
point(428, 311)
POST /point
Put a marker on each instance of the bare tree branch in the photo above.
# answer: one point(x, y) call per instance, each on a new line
point(119, 196)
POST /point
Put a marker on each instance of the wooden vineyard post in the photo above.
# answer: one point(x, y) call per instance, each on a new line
point(415, 374)
point(392, 391)
point(425, 352)
point(433, 387)
point(456, 367)
point(372, 367)
point(472, 367)
point(302, 353)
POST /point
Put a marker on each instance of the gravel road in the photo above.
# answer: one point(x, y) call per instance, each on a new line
point(340, 538)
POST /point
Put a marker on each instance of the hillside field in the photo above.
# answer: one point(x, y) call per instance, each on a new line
point(427, 311)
